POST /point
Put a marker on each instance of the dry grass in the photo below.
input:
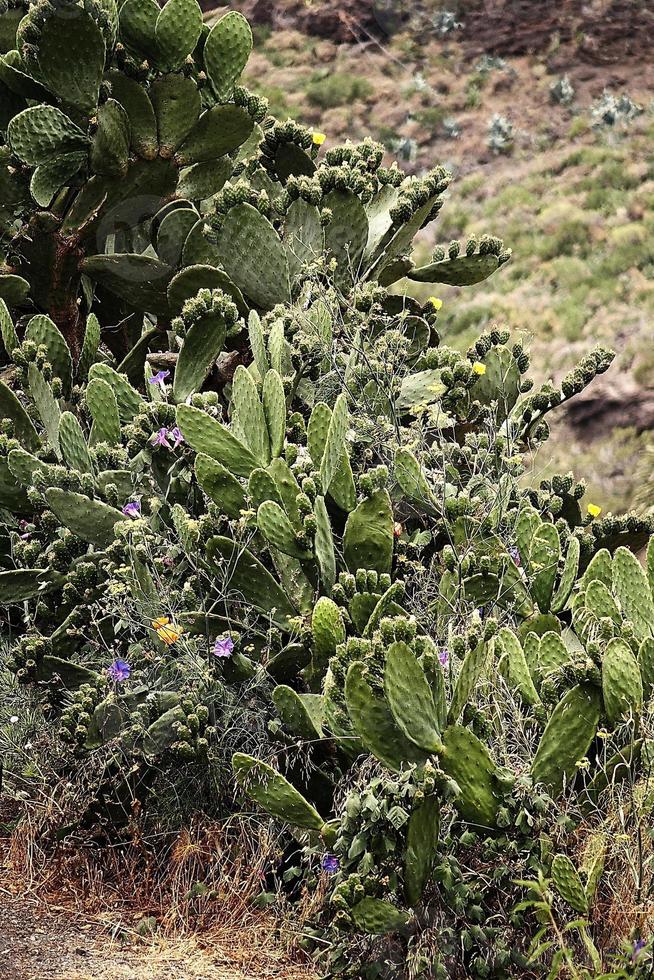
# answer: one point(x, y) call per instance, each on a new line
point(194, 892)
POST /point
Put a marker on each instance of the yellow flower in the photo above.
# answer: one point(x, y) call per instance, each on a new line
point(167, 632)
point(594, 510)
point(479, 368)
point(319, 139)
point(435, 302)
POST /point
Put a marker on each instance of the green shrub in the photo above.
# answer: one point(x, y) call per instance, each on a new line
point(337, 89)
point(266, 537)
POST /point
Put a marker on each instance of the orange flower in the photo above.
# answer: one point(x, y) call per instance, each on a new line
point(167, 632)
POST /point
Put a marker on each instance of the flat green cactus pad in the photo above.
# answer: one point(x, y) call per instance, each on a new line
point(368, 537)
point(110, 149)
point(248, 416)
point(127, 398)
point(64, 43)
point(73, 444)
point(46, 405)
point(302, 713)
point(90, 520)
point(12, 408)
point(219, 130)
point(138, 25)
point(304, 236)
point(566, 738)
point(103, 407)
point(50, 177)
point(376, 917)
point(202, 345)
point(421, 848)
point(39, 133)
point(567, 882)
point(136, 103)
point(472, 668)
point(226, 52)
point(176, 103)
point(244, 576)
point(141, 280)
point(468, 762)
point(410, 698)
point(465, 270)
point(346, 235)
point(177, 30)
point(250, 251)
point(631, 586)
point(274, 793)
point(375, 724)
point(21, 583)
point(206, 435)
point(622, 685)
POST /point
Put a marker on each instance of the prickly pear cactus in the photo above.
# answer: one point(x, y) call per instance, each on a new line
point(262, 532)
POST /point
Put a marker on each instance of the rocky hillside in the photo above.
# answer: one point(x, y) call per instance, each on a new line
point(572, 194)
point(600, 31)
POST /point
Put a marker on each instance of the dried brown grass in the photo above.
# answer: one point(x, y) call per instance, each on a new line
point(198, 885)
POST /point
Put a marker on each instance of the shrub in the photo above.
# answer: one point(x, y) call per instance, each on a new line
point(500, 134)
point(337, 89)
point(266, 536)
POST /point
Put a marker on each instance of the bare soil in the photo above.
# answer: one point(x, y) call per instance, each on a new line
point(45, 942)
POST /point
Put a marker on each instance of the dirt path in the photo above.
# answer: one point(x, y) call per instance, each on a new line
point(40, 943)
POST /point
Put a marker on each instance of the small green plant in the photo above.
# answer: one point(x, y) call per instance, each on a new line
point(500, 134)
point(614, 111)
point(337, 89)
point(562, 91)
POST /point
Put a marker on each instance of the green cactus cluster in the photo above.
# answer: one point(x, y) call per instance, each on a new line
point(261, 526)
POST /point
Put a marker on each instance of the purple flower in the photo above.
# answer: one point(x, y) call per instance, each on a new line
point(330, 863)
point(132, 509)
point(159, 377)
point(119, 671)
point(177, 436)
point(515, 555)
point(443, 656)
point(223, 646)
point(160, 438)
point(638, 947)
